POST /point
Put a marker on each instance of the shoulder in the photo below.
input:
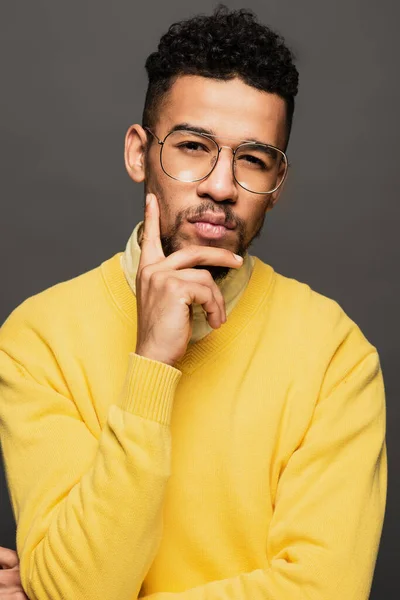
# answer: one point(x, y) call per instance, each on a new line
point(317, 325)
point(55, 312)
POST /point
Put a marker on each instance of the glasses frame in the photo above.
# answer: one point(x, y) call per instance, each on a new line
point(219, 148)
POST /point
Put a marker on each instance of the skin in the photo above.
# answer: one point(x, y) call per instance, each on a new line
point(10, 581)
point(232, 109)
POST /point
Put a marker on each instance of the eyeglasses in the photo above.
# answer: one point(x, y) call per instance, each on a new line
point(188, 156)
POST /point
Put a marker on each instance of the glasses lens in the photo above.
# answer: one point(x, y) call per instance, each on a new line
point(188, 156)
point(259, 168)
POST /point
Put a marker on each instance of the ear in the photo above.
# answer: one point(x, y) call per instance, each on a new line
point(135, 145)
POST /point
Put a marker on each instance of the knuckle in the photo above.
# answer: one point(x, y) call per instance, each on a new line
point(173, 284)
point(155, 277)
point(145, 273)
point(210, 295)
point(214, 288)
point(207, 278)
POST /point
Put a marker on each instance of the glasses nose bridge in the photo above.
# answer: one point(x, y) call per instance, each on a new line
point(229, 147)
point(219, 152)
point(218, 155)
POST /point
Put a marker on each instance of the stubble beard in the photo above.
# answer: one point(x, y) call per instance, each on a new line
point(171, 244)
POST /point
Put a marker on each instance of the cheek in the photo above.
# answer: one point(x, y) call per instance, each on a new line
point(253, 209)
point(256, 217)
point(178, 198)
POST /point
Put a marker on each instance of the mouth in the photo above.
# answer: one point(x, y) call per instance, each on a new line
point(213, 219)
point(210, 231)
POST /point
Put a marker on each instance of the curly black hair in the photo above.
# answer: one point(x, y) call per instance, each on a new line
point(227, 44)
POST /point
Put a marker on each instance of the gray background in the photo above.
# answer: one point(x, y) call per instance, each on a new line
point(73, 80)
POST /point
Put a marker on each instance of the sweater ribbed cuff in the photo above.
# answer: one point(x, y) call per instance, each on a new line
point(149, 388)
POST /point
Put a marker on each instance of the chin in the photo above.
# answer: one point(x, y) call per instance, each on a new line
point(217, 273)
point(177, 241)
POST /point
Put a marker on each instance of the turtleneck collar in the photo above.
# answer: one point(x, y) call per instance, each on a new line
point(232, 286)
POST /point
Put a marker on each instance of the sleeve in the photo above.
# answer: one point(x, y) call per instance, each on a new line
point(88, 509)
point(326, 527)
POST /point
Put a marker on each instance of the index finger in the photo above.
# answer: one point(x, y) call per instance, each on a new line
point(151, 248)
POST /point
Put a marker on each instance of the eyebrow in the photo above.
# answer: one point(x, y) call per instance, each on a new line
point(211, 132)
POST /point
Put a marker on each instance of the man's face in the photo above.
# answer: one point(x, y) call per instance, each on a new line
point(234, 112)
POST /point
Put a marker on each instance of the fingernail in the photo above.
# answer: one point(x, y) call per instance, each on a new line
point(148, 199)
point(238, 257)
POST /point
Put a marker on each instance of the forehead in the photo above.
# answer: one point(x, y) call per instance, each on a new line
point(229, 108)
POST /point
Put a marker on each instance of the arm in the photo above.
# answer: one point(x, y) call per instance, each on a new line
point(325, 531)
point(88, 510)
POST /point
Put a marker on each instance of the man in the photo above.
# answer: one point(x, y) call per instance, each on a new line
point(177, 423)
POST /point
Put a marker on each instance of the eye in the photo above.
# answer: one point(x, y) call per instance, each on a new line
point(193, 146)
point(253, 160)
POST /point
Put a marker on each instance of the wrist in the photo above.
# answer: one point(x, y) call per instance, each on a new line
point(153, 355)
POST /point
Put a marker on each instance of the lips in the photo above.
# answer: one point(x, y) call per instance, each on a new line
point(214, 219)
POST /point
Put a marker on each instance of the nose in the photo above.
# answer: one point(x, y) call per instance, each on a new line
point(220, 184)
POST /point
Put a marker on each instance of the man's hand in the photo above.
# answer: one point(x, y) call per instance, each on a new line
point(167, 286)
point(10, 582)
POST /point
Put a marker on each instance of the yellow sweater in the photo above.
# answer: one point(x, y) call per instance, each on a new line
point(255, 469)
